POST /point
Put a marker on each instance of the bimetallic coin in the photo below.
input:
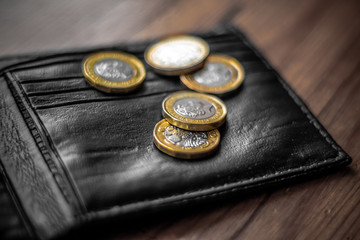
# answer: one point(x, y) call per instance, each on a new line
point(177, 55)
point(185, 144)
point(220, 75)
point(194, 111)
point(113, 72)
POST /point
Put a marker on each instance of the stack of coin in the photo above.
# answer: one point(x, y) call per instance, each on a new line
point(189, 129)
point(188, 56)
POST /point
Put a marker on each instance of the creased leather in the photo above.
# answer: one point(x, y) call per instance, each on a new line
point(99, 149)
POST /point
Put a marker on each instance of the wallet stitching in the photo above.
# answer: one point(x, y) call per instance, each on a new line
point(16, 202)
point(250, 186)
point(57, 175)
point(45, 194)
point(291, 93)
point(221, 191)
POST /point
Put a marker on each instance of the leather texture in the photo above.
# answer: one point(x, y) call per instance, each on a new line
point(71, 155)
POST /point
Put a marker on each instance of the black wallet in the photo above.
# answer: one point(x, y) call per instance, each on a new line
point(72, 156)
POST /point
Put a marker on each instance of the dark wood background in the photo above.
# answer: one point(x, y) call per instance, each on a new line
point(315, 45)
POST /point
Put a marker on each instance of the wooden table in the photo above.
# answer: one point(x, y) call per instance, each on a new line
point(315, 45)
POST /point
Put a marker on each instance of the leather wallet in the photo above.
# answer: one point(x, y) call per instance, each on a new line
point(72, 156)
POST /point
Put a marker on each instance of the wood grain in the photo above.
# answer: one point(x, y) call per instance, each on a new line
point(315, 45)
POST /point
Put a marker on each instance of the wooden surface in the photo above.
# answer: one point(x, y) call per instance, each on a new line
point(315, 45)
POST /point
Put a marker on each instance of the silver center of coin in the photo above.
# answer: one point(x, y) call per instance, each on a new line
point(113, 70)
point(213, 75)
point(185, 138)
point(178, 53)
point(195, 108)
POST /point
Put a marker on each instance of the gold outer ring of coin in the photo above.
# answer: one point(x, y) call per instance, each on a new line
point(174, 150)
point(237, 76)
point(173, 70)
point(109, 86)
point(191, 124)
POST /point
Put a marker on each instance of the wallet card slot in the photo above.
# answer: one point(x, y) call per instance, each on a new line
point(57, 79)
point(51, 86)
point(92, 100)
point(56, 91)
point(53, 70)
point(46, 93)
point(80, 96)
point(42, 61)
point(78, 91)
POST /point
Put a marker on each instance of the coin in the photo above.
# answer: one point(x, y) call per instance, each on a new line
point(220, 75)
point(180, 54)
point(185, 144)
point(113, 72)
point(194, 111)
